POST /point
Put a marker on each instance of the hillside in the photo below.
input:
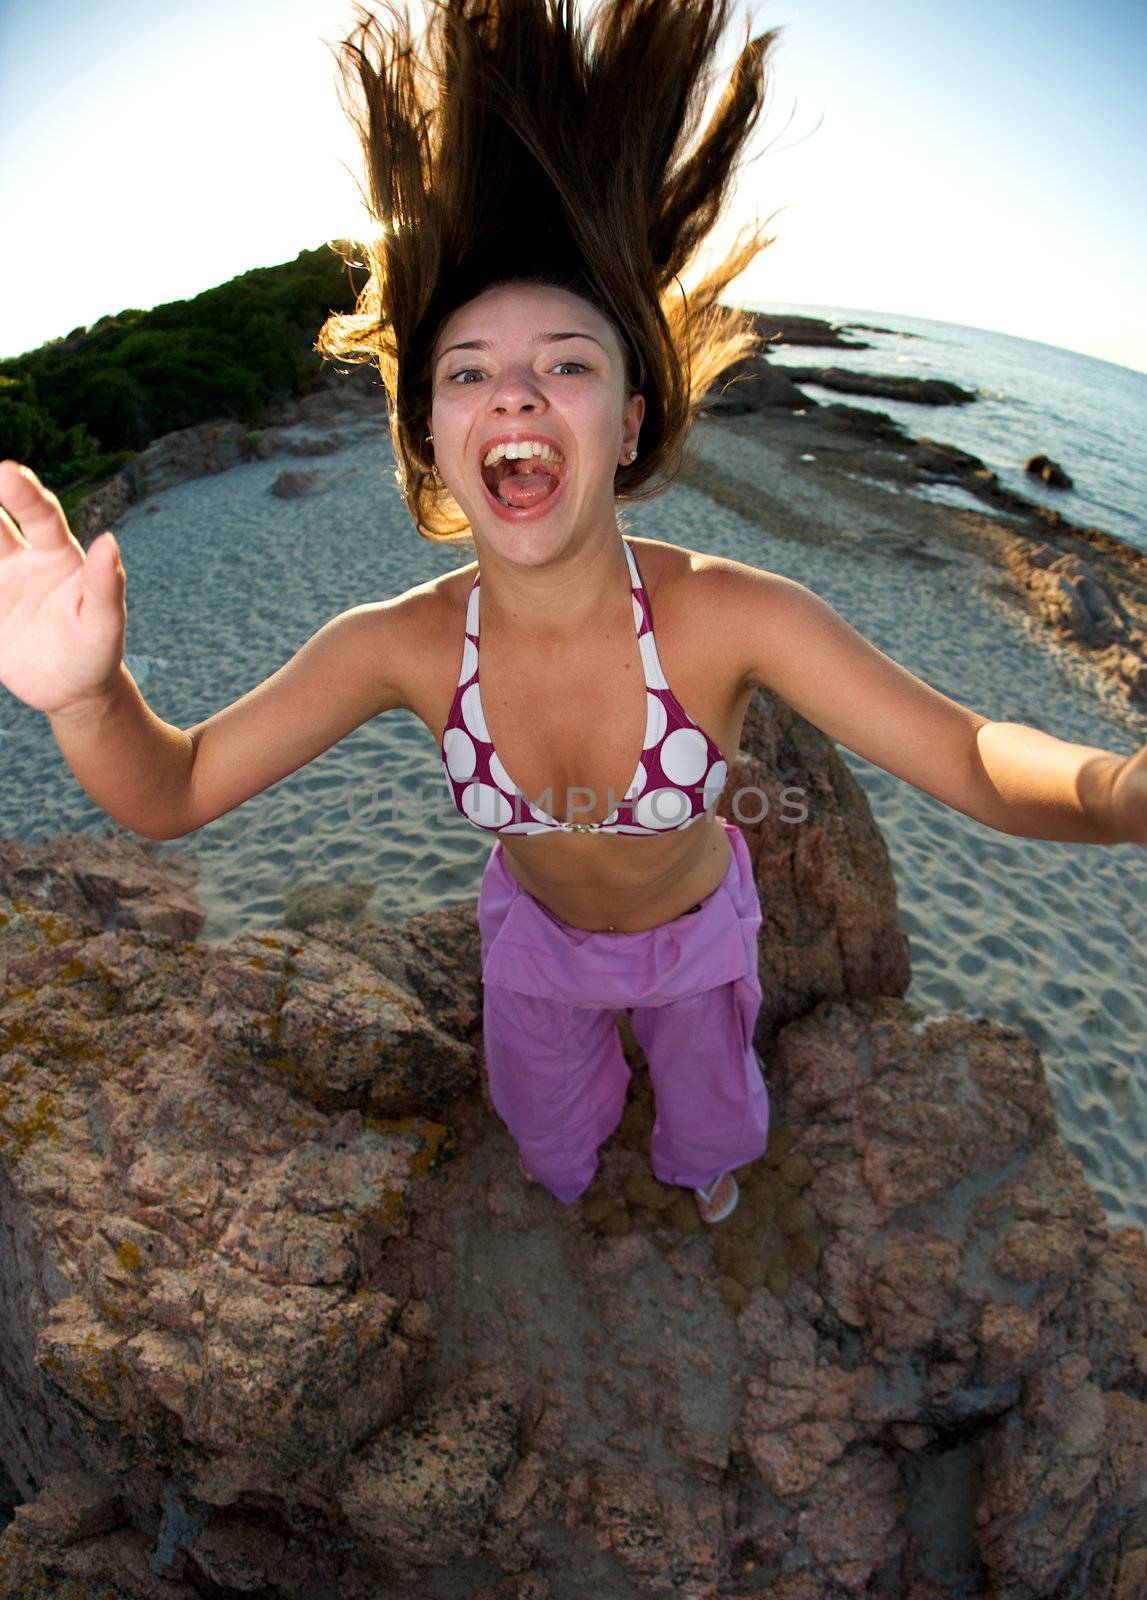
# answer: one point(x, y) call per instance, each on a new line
point(76, 408)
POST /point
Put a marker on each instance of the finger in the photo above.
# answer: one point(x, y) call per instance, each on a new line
point(36, 509)
point(10, 537)
point(102, 573)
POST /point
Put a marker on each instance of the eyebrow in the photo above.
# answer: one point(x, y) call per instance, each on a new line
point(539, 338)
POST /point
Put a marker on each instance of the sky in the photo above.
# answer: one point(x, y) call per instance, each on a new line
point(982, 163)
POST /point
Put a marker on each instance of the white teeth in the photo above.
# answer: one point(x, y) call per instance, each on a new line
point(517, 450)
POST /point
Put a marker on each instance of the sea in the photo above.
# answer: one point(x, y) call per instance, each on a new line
point(1090, 416)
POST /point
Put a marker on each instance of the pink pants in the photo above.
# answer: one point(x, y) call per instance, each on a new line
point(554, 1061)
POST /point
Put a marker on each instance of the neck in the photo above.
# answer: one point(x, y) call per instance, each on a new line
point(560, 602)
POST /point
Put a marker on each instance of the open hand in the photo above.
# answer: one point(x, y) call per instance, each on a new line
point(62, 613)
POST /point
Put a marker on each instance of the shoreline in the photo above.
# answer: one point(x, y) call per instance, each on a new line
point(1085, 587)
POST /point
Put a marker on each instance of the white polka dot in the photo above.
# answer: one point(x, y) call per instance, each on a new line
point(638, 617)
point(525, 827)
point(486, 806)
point(472, 612)
point(654, 720)
point(662, 808)
point(610, 820)
point(654, 677)
point(499, 774)
point(684, 755)
point(460, 754)
point(473, 715)
point(715, 782)
point(640, 779)
point(469, 661)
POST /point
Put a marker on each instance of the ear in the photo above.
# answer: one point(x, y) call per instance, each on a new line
point(631, 418)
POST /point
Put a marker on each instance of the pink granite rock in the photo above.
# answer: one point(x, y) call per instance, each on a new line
point(1067, 593)
point(101, 881)
point(828, 896)
point(280, 1316)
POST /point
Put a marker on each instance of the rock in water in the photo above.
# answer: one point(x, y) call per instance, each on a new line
point(1050, 471)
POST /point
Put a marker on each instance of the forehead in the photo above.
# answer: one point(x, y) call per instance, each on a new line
point(507, 307)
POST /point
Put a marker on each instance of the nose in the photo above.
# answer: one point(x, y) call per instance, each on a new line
point(516, 389)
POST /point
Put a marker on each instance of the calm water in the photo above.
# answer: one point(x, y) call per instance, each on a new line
point(1089, 415)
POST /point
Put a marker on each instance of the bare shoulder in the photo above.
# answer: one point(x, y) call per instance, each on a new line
point(411, 630)
point(693, 586)
point(445, 594)
point(677, 563)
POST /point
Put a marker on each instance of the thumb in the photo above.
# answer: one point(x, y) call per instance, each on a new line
point(108, 573)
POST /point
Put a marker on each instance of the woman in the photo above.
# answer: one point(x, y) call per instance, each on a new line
point(537, 202)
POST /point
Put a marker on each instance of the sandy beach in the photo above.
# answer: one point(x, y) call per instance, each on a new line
point(1045, 936)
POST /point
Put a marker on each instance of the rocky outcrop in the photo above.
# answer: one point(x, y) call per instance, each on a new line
point(280, 1315)
point(828, 897)
point(864, 421)
point(213, 447)
point(1067, 594)
point(93, 883)
point(295, 485)
point(1050, 471)
point(780, 327)
point(207, 448)
point(103, 508)
point(918, 391)
point(752, 385)
point(987, 1356)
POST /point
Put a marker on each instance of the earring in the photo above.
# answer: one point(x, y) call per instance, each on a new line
point(633, 455)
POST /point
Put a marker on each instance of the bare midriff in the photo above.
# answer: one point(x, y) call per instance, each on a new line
point(616, 883)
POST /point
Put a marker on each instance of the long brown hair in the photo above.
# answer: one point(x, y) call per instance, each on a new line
point(521, 144)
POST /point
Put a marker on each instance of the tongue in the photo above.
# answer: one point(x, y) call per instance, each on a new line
point(526, 488)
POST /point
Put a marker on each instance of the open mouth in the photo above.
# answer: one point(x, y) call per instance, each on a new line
point(520, 484)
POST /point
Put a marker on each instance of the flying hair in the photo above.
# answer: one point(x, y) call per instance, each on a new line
point(514, 141)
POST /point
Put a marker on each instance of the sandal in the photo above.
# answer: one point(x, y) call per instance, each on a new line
point(706, 1199)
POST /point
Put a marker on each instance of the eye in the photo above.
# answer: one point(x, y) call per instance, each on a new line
point(464, 373)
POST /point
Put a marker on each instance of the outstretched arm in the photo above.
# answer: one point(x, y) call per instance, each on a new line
point(62, 623)
point(1041, 787)
point(1006, 775)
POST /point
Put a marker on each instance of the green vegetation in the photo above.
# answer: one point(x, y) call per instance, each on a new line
point(77, 408)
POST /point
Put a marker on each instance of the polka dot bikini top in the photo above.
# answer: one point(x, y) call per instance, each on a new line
point(680, 773)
